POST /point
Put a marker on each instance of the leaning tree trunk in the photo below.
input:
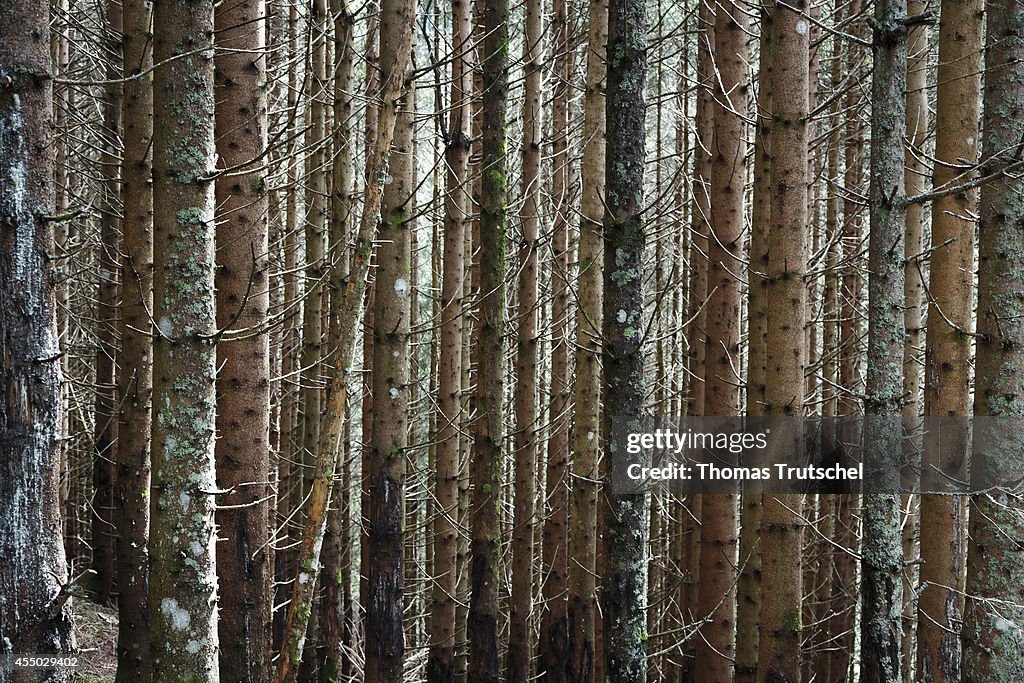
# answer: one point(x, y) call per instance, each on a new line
point(32, 564)
point(624, 586)
point(397, 21)
point(993, 642)
point(882, 557)
point(244, 556)
point(183, 581)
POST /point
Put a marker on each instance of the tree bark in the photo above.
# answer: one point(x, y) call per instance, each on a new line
point(782, 524)
point(183, 581)
point(624, 598)
point(882, 556)
point(136, 377)
point(32, 565)
point(992, 641)
point(244, 558)
point(586, 438)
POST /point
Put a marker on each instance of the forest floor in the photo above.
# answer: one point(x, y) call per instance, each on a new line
point(96, 638)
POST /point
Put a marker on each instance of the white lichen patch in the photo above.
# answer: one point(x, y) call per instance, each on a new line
point(401, 286)
point(166, 328)
point(184, 500)
point(801, 27)
point(303, 578)
point(393, 393)
point(621, 316)
point(178, 617)
point(196, 548)
point(192, 647)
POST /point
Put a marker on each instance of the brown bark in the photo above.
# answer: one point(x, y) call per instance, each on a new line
point(525, 393)
point(586, 437)
point(136, 376)
point(782, 524)
point(948, 337)
point(244, 558)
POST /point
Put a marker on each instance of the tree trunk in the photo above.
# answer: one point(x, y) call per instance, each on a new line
point(488, 432)
point(525, 399)
point(183, 580)
point(882, 557)
point(385, 642)
point(105, 425)
point(718, 563)
point(441, 659)
point(553, 642)
point(136, 376)
point(586, 436)
point(32, 564)
point(948, 337)
point(244, 558)
point(624, 598)
point(782, 524)
point(993, 644)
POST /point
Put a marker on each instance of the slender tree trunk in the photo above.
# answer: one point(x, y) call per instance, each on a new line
point(441, 659)
point(525, 399)
point(624, 596)
point(882, 559)
point(335, 611)
point(718, 562)
point(32, 564)
point(105, 426)
point(485, 472)
point(136, 376)
point(183, 580)
point(993, 643)
point(586, 436)
point(782, 524)
point(244, 559)
point(948, 337)
point(553, 643)
point(751, 505)
point(915, 178)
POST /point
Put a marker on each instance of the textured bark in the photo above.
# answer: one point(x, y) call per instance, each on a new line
point(32, 565)
point(624, 598)
point(782, 524)
point(397, 19)
point(751, 505)
point(244, 557)
point(718, 562)
point(947, 340)
point(136, 377)
point(993, 642)
point(441, 659)
point(553, 641)
point(336, 608)
point(488, 432)
point(525, 393)
point(586, 438)
point(385, 641)
point(183, 581)
point(882, 550)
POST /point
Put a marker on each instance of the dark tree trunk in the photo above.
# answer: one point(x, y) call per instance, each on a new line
point(623, 591)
